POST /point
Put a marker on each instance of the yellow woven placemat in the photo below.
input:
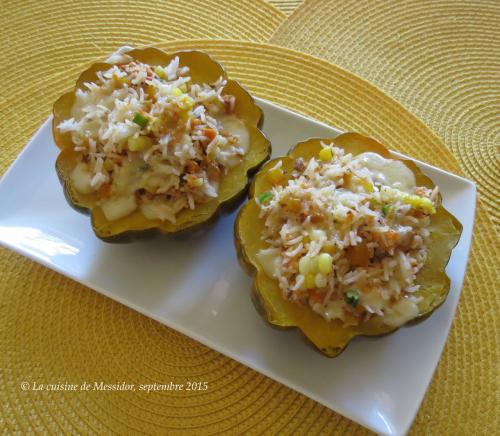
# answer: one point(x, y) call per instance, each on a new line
point(439, 58)
point(54, 330)
point(41, 37)
point(287, 6)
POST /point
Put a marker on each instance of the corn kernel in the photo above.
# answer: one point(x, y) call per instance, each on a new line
point(317, 235)
point(160, 72)
point(320, 280)
point(176, 92)
point(275, 176)
point(304, 265)
point(367, 186)
point(325, 263)
point(140, 143)
point(310, 281)
point(186, 102)
point(422, 203)
point(313, 265)
point(326, 154)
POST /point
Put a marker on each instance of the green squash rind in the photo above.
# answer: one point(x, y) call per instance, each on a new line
point(155, 56)
point(279, 320)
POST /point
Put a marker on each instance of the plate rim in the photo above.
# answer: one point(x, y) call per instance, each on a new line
point(390, 428)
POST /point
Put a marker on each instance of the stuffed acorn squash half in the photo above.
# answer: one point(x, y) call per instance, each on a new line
point(156, 143)
point(343, 239)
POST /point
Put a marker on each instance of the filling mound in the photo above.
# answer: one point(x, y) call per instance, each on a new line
point(147, 138)
point(347, 235)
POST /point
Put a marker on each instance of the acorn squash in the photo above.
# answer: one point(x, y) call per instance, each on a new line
point(331, 337)
point(232, 188)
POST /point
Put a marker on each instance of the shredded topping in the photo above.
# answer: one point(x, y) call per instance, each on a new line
point(150, 139)
point(345, 238)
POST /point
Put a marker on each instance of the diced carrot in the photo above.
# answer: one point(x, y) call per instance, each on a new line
point(358, 255)
point(392, 236)
point(210, 133)
point(315, 296)
point(359, 310)
point(291, 204)
point(293, 263)
point(192, 167)
point(347, 179)
point(150, 91)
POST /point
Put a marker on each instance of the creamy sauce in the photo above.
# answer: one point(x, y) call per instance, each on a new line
point(401, 312)
point(390, 172)
point(81, 178)
point(268, 258)
point(236, 127)
point(119, 207)
point(128, 178)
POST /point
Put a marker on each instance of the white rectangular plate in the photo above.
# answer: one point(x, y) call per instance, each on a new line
point(199, 289)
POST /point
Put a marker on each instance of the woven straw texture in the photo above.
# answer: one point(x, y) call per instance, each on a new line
point(45, 38)
point(287, 6)
point(439, 58)
point(54, 330)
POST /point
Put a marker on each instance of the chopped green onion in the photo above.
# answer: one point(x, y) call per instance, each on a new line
point(385, 209)
point(352, 297)
point(265, 197)
point(140, 120)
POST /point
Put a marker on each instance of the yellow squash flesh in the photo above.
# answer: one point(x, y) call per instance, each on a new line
point(232, 189)
point(330, 337)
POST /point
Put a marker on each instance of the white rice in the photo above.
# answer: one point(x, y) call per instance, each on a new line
point(348, 216)
point(102, 127)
